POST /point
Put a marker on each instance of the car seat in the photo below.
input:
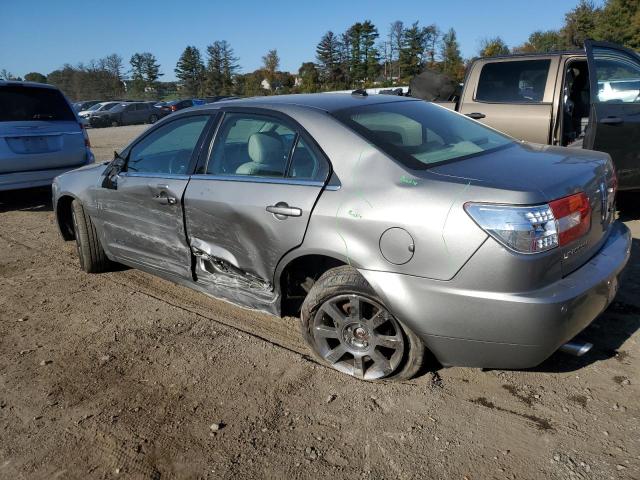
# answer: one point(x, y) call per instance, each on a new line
point(267, 156)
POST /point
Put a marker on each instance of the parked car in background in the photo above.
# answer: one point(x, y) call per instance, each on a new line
point(98, 107)
point(175, 105)
point(218, 98)
point(585, 99)
point(81, 106)
point(486, 251)
point(127, 113)
point(40, 135)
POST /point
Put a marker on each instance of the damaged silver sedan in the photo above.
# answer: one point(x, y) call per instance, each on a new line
point(391, 226)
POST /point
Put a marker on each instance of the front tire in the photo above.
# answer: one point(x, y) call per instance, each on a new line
point(115, 123)
point(90, 252)
point(349, 329)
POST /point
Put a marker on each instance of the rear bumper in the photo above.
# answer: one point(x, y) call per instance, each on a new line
point(35, 178)
point(505, 330)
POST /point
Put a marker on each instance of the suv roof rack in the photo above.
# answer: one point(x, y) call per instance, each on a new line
point(360, 92)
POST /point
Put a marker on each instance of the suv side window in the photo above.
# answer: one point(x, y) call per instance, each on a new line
point(521, 81)
point(141, 106)
point(254, 145)
point(169, 148)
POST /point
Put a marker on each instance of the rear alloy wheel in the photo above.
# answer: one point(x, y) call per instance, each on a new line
point(153, 119)
point(349, 329)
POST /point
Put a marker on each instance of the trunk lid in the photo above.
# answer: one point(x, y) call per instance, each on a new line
point(552, 172)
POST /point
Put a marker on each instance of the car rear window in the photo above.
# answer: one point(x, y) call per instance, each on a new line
point(420, 134)
point(19, 103)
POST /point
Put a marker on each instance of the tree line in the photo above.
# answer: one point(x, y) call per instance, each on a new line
point(359, 57)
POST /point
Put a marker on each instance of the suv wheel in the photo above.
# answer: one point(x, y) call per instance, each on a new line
point(153, 119)
point(348, 328)
point(115, 123)
point(90, 252)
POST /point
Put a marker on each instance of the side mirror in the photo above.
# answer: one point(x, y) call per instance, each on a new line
point(111, 173)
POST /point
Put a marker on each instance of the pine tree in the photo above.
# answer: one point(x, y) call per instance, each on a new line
point(328, 56)
point(190, 71)
point(412, 51)
point(221, 68)
point(369, 52)
point(451, 60)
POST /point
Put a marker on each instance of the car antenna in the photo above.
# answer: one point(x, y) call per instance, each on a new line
point(360, 92)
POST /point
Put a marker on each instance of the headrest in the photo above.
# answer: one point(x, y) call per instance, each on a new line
point(265, 149)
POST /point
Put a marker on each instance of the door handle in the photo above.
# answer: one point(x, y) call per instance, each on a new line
point(475, 115)
point(611, 120)
point(282, 210)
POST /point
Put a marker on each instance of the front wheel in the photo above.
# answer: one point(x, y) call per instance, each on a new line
point(349, 329)
point(90, 252)
point(115, 123)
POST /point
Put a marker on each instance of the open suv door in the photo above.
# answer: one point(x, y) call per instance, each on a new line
point(614, 124)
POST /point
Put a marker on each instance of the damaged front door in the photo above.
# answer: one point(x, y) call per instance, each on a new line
point(140, 209)
point(251, 204)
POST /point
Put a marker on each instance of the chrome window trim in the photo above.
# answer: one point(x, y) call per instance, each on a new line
point(169, 176)
point(256, 179)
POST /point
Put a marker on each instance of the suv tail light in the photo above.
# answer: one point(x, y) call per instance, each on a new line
point(536, 228)
point(87, 143)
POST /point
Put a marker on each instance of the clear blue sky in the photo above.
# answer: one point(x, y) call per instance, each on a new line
point(42, 35)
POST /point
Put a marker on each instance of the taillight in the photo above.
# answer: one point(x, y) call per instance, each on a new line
point(573, 216)
point(173, 108)
point(87, 143)
point(534, 229)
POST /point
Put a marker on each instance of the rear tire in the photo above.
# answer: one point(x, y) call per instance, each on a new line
point(90, 252)
point(342, 313)
point(153, 119)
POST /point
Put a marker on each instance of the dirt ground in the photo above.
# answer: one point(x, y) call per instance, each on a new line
point(123, 375)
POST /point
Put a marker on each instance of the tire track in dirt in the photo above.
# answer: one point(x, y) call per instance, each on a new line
point(283, 332)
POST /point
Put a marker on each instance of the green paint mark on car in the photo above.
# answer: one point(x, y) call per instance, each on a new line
point(408, 181)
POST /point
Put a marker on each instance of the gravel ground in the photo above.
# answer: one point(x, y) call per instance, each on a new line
point(124, 375)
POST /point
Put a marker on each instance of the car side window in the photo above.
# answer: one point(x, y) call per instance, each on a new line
point(253, 145)
point(169, 148)
point(520, 81)
point(306, 165)
point(618, 76)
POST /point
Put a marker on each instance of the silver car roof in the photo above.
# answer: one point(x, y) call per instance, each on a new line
point(329, 102)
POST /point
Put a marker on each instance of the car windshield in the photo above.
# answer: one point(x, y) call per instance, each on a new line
point(95, 107)
point(108, 106)
point(19, 103)
point(421, 134)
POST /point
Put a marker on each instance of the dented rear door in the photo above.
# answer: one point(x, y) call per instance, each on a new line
point(250, 207)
